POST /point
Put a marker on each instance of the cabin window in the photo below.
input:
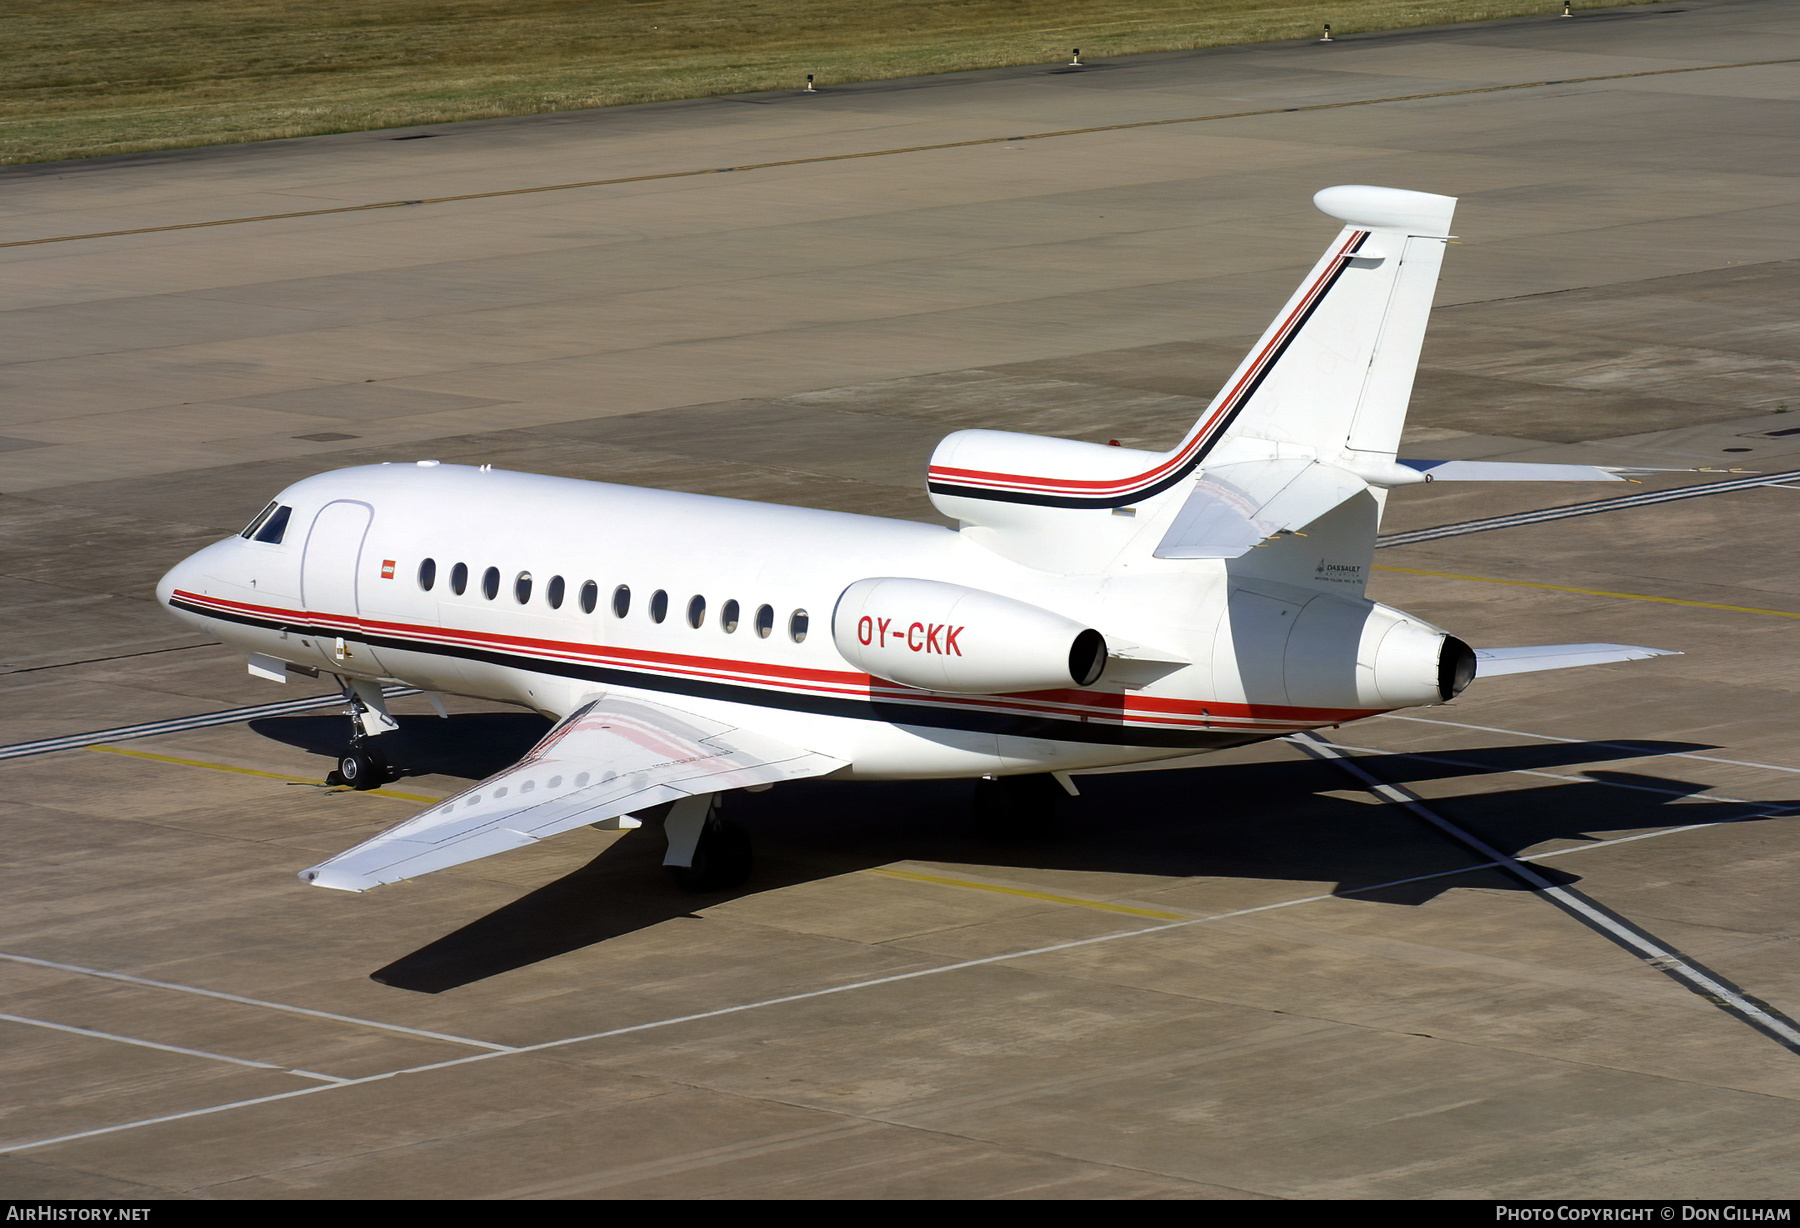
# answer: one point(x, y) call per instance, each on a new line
point(590, 597)
point(553, 592)
point(728, 617)
point(797, 625)
point(427, 574)
point(459, 578)
point(765, 621)
point(522, 587)
point(696, 612)
point(659, 606)
point(251, 528)
point(490, 583)
point(621, 601)
point(275, 527)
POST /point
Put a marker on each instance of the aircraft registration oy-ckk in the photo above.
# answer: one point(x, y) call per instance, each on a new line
point(1097, 606)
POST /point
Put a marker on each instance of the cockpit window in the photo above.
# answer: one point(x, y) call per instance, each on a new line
point(275, 527)
point(251, 528)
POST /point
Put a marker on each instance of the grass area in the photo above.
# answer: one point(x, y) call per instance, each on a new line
point(81, 78)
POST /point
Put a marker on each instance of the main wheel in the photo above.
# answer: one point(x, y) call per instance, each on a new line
point(721, 859)
point(1015, 807)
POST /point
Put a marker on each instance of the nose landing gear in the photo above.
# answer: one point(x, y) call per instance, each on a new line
point(363, 766)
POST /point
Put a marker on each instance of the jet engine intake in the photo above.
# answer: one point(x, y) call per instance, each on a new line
point(945, 637)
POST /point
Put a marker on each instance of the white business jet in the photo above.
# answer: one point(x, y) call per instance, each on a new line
point(1097, 606)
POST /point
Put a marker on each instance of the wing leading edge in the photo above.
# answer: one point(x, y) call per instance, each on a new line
point(609, 757)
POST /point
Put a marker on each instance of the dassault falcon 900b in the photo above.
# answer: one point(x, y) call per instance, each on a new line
point(1097, 606)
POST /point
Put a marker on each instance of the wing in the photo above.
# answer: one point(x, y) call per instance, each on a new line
point(1491, 662)
point(609, 757)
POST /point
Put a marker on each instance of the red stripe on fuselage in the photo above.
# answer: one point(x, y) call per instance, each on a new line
point(1106, 707)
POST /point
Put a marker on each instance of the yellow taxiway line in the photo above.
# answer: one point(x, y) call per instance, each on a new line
point(1024, 893)
point(244, 771)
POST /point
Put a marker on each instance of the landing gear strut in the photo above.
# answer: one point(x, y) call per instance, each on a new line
point(363, 766)
point(707, 851)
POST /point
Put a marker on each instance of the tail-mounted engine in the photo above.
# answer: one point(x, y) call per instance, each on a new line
point(1284, 646)
point(944, 637)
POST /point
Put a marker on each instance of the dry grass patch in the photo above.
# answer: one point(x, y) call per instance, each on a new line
point(87, 77)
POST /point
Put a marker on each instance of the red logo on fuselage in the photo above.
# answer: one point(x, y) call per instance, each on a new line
point(387, 569)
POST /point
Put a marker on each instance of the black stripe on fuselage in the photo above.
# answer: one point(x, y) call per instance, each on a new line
point(1053, 729)
point(1181, 472)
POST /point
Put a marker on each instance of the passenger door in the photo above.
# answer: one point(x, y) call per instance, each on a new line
point(330, 579)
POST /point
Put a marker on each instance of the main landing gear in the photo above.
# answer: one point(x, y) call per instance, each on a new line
point(363, 766)
point(1015, 808)
point(707, 851)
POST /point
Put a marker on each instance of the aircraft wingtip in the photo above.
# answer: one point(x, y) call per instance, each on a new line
point(318, 876)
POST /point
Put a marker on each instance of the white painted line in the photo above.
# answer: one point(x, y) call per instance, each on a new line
point(1585, 845)
point(1653, 952)
point(1550, 737)
point(1700, 793)
point(257, 1002)
point(180, 724)
point(1544, 515)
point(1768, 810)
point(713, 1014)
point(501, 1051)
point(151, 1044)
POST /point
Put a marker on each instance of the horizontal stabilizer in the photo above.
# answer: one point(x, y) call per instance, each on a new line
point(1492, 662)
point(608, 758)
point(1510, 471)
point(1233, 508)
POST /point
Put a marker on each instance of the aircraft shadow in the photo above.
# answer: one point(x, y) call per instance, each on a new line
point(471, 745)
point(1275, 821)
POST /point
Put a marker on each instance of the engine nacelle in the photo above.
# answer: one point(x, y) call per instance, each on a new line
point(1415, 663)
point(1328, 652)
point(944, 637)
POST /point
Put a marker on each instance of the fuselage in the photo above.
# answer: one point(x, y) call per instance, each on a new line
point(539, 591)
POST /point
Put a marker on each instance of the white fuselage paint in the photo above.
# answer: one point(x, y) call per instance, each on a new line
point(342, 594)
point(1250, 623)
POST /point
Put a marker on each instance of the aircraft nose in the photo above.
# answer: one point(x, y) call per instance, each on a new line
point(185, 575)
point(165, 587)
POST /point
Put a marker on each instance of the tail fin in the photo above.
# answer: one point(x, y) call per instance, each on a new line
point(1328, 383)
point(1332, 376)
point(1329, 380)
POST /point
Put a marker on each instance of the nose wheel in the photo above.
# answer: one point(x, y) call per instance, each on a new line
point(361, 768)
